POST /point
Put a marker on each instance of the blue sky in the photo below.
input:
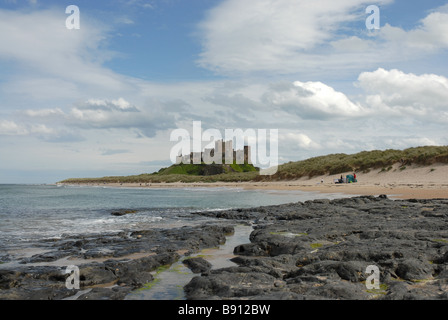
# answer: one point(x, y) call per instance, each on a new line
point(103, 100)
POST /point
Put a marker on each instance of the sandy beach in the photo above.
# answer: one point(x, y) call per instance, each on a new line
point(430, 182)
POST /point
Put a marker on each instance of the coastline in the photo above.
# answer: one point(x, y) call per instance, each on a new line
point(302, 250)
point(313, 250)
point(413, 183)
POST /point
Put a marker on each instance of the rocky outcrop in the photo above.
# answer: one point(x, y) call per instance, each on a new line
point(123, 212)
point(113, 264)
point(307, 250)
point(321, 250)
point(197, 265)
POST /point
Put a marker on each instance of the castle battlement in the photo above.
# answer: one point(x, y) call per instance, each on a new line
point(222, 153)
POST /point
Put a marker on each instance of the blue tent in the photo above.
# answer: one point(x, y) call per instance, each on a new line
point(350, 179)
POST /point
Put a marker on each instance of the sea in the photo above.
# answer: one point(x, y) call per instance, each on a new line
point(36, 212)
point(32, 213)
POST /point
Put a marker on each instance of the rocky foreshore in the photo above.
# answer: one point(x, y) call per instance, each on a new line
point(313, 250)
point(321, 250)
point(110, 265)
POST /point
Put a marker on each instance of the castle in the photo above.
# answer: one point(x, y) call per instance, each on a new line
point(222, 153)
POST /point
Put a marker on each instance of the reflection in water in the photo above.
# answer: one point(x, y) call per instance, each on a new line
point(169, 283)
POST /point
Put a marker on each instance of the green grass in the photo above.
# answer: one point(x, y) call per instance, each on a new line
point(381, 291)
point(156, 280)
point(204, 169)
point(177, 269)
point(386, 169)
point(169, 178)
point(440, 240)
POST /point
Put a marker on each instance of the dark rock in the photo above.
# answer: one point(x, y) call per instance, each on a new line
point(411, 269)
point(135, 279)
point(329, 245)
point(280, 295)
point(8, 279)
point(136, 272)
point(123, 212)
point(47, 257)
point(312, 250)
point(95, 274)
point(115, 293)
point(36, 293)
point(251, 249)
point(197, 265)
point(340, 290)
point(230, 284)
point(352, 271)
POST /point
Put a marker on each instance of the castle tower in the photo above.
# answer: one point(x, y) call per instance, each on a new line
point(247, 155)
point(229, 152)
point(196, 157)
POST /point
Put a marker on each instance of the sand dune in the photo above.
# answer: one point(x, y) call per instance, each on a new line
point(413, 182)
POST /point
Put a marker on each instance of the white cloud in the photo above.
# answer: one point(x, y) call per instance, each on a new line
point(120, 104)
point(271, 35)
point(312, 100)
point(140, 3)
point(112, 152)
point(298, 140)
point(431, 34)
point(41, 129)
point(405, 94)
point(120, 114)
point(310, 38)
point(68, 95)
point(10, 128)
point(106, 115)
point(407, 142)
point(392, 102)
point(352, 44)
point(125, 20)
point(46, 113)
point(52, 61)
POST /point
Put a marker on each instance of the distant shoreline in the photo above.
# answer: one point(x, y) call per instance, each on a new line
point(413, 183)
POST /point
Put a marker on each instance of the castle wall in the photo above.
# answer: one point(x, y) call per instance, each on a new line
point(222, 153)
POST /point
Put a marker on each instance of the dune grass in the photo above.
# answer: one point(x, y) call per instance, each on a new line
point(361, 162)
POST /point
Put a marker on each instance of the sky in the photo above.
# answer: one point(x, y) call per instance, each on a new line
point(104, 98)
